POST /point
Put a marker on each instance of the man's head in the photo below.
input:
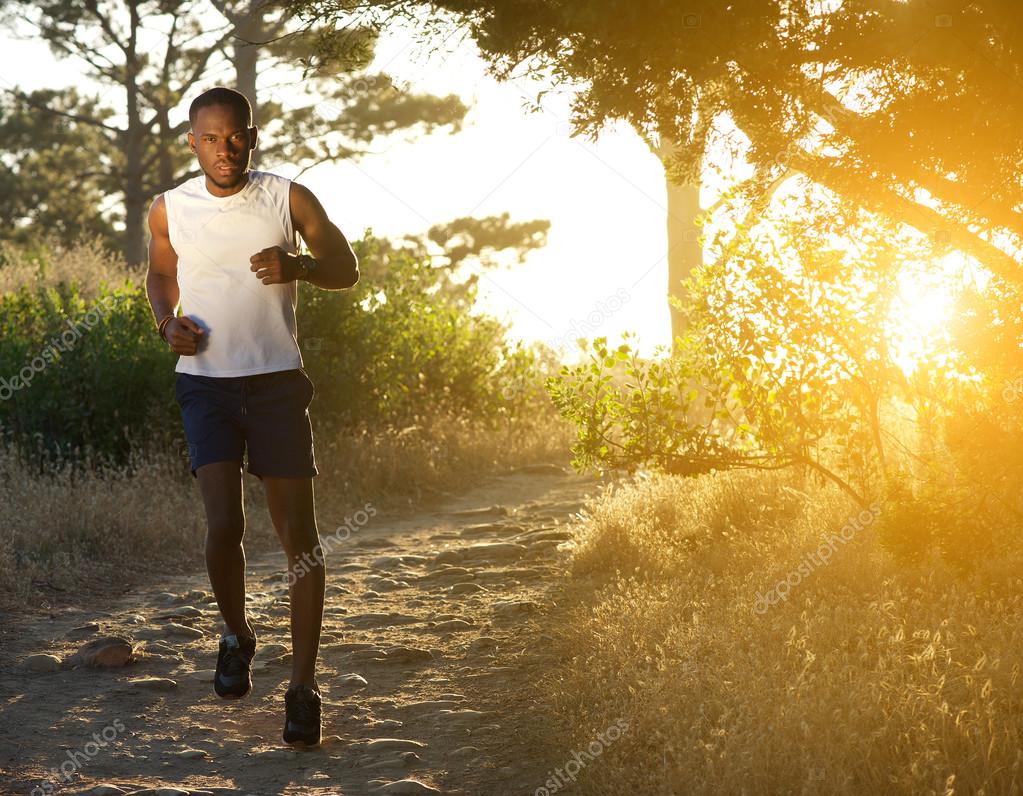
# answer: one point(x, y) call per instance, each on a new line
point(222, 133)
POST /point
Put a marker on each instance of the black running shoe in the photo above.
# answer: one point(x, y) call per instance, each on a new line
point(302, 715)
point(234, 666)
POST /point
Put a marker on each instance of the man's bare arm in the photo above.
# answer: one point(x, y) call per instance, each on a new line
point(162, 275)
point(162, 283)
point(338, 267)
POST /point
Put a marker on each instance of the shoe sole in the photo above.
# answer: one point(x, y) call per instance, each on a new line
point(302, 744)
point(302, 740)
point(233, 696)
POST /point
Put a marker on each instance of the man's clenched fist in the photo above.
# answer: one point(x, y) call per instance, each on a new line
point(274, 266)
point(183, 335)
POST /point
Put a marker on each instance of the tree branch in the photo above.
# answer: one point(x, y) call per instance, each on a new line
point(67, 114)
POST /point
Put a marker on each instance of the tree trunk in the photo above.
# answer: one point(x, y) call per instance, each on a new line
point(249, 31)
point(685, 251)
point(134, 232)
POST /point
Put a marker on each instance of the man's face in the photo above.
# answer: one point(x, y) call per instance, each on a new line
point(219, 138)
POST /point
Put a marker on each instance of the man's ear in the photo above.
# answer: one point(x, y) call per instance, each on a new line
point(191, 141)
point(253, 131)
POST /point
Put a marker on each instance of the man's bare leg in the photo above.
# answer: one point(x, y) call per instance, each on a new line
point(290, 501)
point(220, 484)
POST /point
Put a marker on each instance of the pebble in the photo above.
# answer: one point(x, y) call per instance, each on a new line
point(369, 655)
point(353, 680)
point(106, 789)
point(189, 754)
point(154, 683)
point(386, 724)
point(546, 534)
point(405, 654)
point(184, 631)
point(462, 715)
point(83, 630)
point(380, 620)
point(202, 675)
point(42, 662)
point(452, 626)
point(386, 562)
point(490, 511)
point(514, 609)
point(445, 573)
point(495, 528)
point(387, 744)
point(482, 643)
point(466, 587)
point(348, 646)
point(107, 652)
point(369, 764)
point(496, 550)
point(406, 787)
point(388, 584)
point(184, 611)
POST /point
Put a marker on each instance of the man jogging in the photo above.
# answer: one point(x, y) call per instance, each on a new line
point(224, 245)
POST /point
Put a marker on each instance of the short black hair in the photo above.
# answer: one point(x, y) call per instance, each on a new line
point(221, 95)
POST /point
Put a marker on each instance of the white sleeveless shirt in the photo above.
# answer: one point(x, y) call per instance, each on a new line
point(250, 327)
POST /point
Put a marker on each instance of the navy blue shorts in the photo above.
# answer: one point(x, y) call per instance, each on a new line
point(266, 414)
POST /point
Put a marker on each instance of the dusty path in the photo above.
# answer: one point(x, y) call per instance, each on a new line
point(433, 623)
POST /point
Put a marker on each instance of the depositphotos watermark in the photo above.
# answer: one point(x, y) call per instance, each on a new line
point(567, 773)
point(58, 344)
point(780, 590)
point(1012, 390)
point(76, 759)
point(307, 561)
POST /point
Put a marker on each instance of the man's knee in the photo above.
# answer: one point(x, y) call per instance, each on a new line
point(225, 531)
point(299, 539)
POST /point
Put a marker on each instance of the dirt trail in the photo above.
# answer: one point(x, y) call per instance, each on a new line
point(433, 625)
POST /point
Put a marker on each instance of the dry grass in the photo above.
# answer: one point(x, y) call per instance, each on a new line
point(87, 263)
point(65, 535)
point(867, 679)
point(403, 466)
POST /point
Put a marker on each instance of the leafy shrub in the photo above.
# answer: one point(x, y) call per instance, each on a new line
point(84, 376)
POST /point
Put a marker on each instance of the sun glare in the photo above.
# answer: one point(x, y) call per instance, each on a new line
point(918, 321)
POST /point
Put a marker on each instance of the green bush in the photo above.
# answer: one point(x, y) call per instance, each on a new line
point(390, 348)
point(83, 378)
point(87, 378)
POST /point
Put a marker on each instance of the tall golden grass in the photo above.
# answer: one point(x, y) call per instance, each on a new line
point(871, 677)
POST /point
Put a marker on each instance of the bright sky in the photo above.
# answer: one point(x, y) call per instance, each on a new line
point(604, 269)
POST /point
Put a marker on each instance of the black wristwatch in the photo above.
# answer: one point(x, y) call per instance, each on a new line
point(308, 264)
